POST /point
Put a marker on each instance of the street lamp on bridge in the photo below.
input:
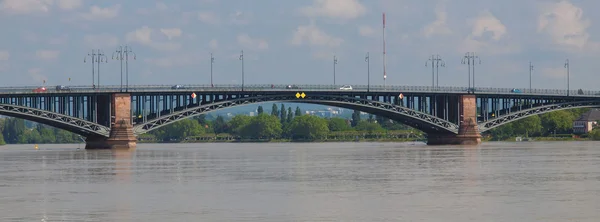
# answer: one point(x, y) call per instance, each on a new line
point(122, 53)
point(436, 62)
point(368, 72)
point(568, 83)
point(212, 61)
point(470, 59)
point(334, 63)
point(242, 59)
point(96, 57)
point(530, 70)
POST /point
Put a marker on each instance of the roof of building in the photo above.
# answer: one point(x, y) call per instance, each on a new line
point(592, 115)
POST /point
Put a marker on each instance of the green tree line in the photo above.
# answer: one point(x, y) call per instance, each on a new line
point(16, 131)
point(281, 123)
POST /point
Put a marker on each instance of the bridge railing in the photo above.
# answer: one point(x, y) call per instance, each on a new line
point(304, 87)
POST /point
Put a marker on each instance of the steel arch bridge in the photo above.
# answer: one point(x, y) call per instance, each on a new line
point(65, 122)
point(416, 119)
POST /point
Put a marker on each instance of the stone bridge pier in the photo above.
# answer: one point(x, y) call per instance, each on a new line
point(121, 127)
point(468, 131)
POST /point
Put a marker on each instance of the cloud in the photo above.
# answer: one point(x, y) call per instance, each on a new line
point(336, 9)
point(366, 31)
point(172, 33)
point(174, 60)
point(213, 44)
point(439, 26)
point(312, 35)
point(69, 4)
point(240, 18)
point(208, 18)
point(486, 35)
point(101, 40)
point(25, 6)
point(4, 55)
point(565, 25)
point(47, 54)
point(159, 7)
point(36, 75)
point(98, 13)
point(144, 36)
point(245, 41)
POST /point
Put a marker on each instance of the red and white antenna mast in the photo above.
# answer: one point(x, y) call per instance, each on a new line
point(384, 61)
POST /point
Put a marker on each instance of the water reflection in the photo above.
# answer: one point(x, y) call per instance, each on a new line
point(302, 182)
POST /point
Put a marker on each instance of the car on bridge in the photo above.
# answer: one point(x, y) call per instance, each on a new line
point(63, 88)
point(346, 87)
point(515, 91)
point(39, 90)
point(177, 87)
point(292, 87)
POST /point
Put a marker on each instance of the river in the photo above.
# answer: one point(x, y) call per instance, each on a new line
point(526, 181)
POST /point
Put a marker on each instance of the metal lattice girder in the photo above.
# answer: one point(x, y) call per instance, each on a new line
point(72, 124)
point(340, 101)
point(501, 120)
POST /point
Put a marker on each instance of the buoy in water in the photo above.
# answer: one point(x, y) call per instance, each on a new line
point(36, 146)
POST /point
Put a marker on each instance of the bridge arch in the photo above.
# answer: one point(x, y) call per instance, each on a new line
point(419, 120)
point(65, 122)
point(501, 120)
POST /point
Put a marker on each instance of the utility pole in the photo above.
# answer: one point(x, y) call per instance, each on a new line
point(93, 61)
point(436, 61)
point(471, 59)
point(242, 59)
point(122, 53)
point(212, 60)
point(568, 75)
point(100, 59)
point(334, 63)
point(439, 62)
point(368, 72)
point(530, 70)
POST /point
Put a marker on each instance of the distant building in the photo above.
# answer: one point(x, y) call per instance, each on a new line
point(586, 122)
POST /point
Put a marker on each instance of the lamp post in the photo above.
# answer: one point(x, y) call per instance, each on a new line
point(93, 59)
point(530, 70)
point(212, 60)
point(122, 53)
point(470, 59)
point(568, 75)
point(242, 59)
point(368, 72)
point(335, 61)
point(436, 61)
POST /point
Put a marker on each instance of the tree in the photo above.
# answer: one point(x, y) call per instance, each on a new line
point(219, 125)
point(283, 114)
point(308, 127)
point(298, 111)
point(355, 118)
point(2, 139)
point(561, 121)
point(260, 110)
point(201, 119)
point(290, 115)
point(528, 126)
point(338, 124)
point(275, 110)
point(263, 127)
point(370, 127)
point(238, 123)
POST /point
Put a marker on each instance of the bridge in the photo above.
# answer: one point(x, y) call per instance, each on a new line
point(112, 117)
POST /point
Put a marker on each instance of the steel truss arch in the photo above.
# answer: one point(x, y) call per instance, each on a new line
point(499, 121)
point(71, 124)
point(414, 118)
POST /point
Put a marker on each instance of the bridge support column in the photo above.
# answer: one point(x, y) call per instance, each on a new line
point(468, 131)
point(121, 130)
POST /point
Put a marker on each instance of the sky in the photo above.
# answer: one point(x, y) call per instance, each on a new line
point(294, 42)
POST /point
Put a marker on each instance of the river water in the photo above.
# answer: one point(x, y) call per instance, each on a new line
point(526, 181)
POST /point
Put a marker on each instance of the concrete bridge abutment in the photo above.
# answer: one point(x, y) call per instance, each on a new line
point(121, 130)
point(468, 131)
